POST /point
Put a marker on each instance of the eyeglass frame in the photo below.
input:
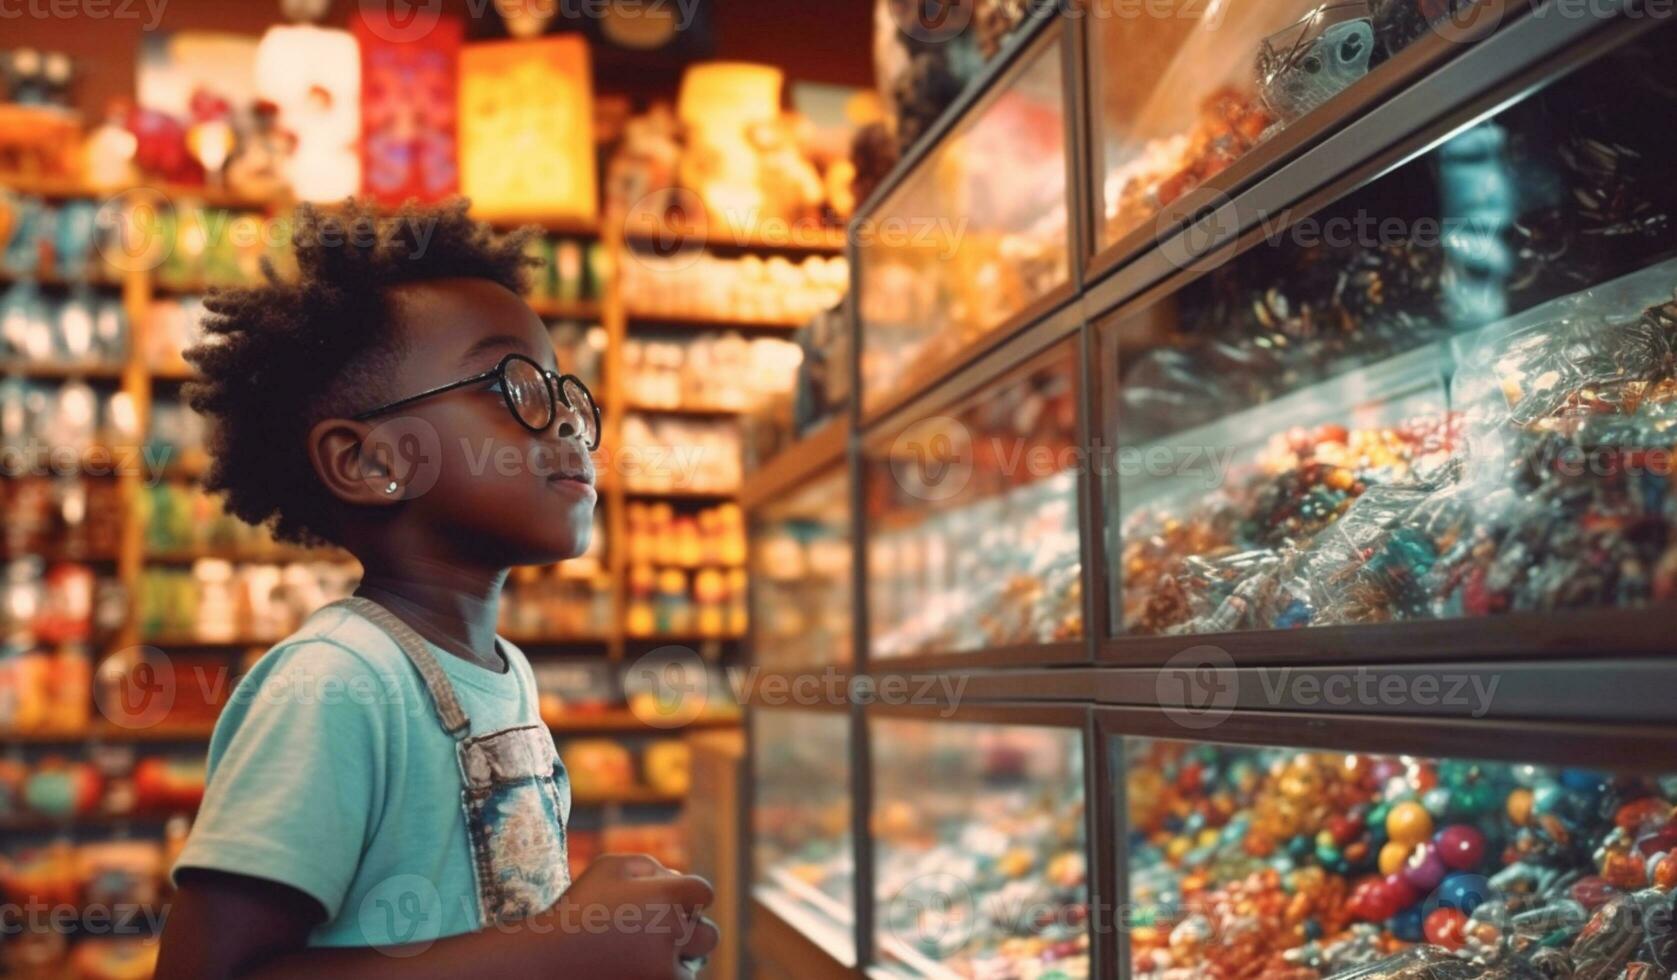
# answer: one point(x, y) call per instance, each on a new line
point(555, 395)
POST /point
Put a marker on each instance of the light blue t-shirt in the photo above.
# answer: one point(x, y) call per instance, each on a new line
point(330, 772)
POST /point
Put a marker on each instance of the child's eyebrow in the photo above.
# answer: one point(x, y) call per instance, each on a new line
point(498, 341)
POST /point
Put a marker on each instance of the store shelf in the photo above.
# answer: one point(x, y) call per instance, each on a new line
point(795, 464)
point(43, 371)
point(697, 496)
point(622, 721)
point(552, 309)
point(252, 555)
point(779, 238)
point(56, 280)
point(60, 188)
point(690, 411)
point(572, 227)
point(702, 321)
point(629, 796)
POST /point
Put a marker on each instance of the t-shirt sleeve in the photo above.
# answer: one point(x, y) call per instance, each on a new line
point(297, 769)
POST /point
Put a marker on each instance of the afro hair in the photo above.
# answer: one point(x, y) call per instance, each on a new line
point(278, 357)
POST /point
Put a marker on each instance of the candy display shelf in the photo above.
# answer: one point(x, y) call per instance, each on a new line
point(1384, 688)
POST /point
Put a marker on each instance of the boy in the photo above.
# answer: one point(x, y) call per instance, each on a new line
point(383, 795)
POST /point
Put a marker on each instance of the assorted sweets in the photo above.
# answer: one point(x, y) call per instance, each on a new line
point(1197, 95)
point(974, 533)
point(1563, 191)
point(979, 850)
point(1270, 862)
point(800, 823)
point(1546, 486)
point(77, 327)
point(1540, 311)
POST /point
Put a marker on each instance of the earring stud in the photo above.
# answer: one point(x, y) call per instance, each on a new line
point(392, 487)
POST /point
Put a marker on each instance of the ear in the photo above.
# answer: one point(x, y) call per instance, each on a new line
point(353, 467)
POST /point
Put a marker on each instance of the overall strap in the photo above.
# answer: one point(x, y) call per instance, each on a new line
point(454, 719)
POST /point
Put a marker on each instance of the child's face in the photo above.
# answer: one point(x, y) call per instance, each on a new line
point(502, 494)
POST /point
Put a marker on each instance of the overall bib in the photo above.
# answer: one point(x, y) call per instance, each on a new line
point(514, 791)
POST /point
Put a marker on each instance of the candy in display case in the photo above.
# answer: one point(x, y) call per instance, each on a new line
point(1164, 124)
point(800, 577)
point(803, 855)
point(972, 520)
point(979, 849)
point(974, 236)
point(1246, 861)
point(1446, 394)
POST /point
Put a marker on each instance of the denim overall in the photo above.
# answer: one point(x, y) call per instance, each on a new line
point(514, 791)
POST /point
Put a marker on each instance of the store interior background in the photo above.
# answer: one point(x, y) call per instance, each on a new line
point(1324, 572)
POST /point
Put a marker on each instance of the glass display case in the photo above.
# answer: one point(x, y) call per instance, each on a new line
point(976, 234)
point(803, 856)
point(979, 849)
point(1245, 860)
point(1182, 94)
point(972, 519)
point(1450, 393)
point(800, 576)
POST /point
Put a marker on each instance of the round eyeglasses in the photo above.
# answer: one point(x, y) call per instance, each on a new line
point(535, 396)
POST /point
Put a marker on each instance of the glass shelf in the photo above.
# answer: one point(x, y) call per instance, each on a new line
point(802, 852)
point(973, 532)
point(800, 575)
point(975, 235)
point(980, 856)
point(1450, 393)
point(1183, 93)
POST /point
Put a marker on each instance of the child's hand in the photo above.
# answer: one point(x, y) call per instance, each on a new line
point(637, 918)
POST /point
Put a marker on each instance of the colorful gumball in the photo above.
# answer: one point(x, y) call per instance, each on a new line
point(1409, 823)
point(1463, 890)
point(1446, 927)
point(1393, 856)
point(1425, 868)
point(1460, 847)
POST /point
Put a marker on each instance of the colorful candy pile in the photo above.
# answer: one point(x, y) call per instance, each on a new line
point(1221, 566)
point(1274, 863)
